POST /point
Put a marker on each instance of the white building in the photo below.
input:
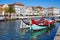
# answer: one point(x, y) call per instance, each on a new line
point(26, 10)
point(52, 11)
point(39, 10)
point(22, 10)
point(2, 8)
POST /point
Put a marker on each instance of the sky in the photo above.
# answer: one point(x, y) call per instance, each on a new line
point(42, 3)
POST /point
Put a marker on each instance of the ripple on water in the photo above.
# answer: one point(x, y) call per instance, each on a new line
point(11, 31)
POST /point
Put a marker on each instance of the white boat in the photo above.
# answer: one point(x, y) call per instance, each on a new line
point(1, 18)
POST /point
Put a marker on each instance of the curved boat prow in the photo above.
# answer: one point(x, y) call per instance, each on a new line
point(23, 25)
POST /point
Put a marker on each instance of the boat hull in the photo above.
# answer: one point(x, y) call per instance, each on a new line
point(1, 18)
point(31, 27)
point(36, 27)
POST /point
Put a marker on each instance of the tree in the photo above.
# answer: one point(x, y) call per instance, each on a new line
point(1, 8)
point(10, 10)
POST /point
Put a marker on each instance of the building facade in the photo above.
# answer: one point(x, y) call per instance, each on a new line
point(2, 8)
point(38, 10)
point(20, 9)
point(51, 11)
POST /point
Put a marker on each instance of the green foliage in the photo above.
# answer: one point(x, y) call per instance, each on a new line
point(58, 21)
point(1, 8)
point(10, 10)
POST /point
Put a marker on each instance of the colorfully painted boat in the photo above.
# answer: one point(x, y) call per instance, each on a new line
point(33, 27)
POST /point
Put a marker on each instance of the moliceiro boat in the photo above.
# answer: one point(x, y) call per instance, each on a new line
point(31, 27)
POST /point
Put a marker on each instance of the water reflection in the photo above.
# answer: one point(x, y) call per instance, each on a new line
point(28, 35)
point(11, 31)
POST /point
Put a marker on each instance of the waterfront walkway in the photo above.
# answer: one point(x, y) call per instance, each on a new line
point(29, 16)
point(57, 37)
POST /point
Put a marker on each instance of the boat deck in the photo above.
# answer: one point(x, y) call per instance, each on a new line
point(57, 37)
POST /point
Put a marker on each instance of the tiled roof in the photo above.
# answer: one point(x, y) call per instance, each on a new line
point(51, 7)
point(17, 3)
point(39, 7)
point(1, 5)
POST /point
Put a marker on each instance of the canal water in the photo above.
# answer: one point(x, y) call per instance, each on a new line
point(10, 30)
